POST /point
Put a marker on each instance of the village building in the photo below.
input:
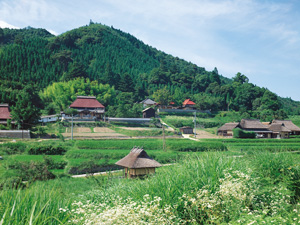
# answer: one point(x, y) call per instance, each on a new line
point(279, 130)
point(148, 102)
point(148, 113)
point(88, 107)
point(227, 129)
point(4, 114)
point(138, 164)
point(294, 130)
point(188, 104)
point(253, 125)
point(186, 130)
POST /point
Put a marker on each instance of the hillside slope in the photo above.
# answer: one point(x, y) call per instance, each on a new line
point(110, 56)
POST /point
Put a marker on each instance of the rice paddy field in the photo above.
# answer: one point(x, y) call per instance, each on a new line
point(205, 183)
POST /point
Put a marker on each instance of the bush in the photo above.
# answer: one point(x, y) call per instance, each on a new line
point(47, 150)
point(239, 133)
point(54, 165)
point(13, 148)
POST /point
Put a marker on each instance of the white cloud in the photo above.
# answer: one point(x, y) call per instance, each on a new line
point(3, 24)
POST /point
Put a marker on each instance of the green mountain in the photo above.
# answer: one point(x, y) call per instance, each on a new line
point(35, 58)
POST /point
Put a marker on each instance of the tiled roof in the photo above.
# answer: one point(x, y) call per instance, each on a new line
point(86, 102)
point(4, 112)
point(188, 102)
point(148, 101)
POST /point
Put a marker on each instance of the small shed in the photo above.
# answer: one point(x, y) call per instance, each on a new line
point(186, 130)
point(148, 113)
point(138, 164)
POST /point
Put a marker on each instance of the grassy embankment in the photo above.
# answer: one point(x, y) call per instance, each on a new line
point(207, 188)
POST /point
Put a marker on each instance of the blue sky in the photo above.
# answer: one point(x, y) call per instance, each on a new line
point(259, 38)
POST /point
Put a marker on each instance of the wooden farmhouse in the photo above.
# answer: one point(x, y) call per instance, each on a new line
point(186, 130)
point(88, 108)
point(148, 113)
point(295, 130)
point(276, 129)
point(226, 129)
point(279, 130)
point(188, 104)
point(138, 164)
point(4, 114)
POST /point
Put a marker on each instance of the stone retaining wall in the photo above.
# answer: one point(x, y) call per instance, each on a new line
point(15, 134)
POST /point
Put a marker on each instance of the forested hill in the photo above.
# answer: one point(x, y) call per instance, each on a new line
point(35, 58)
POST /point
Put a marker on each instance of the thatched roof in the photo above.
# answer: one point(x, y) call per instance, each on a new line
point(288, 124)
point(228, 126)
point(277, 127)
point(252, 124)
point(138, 158)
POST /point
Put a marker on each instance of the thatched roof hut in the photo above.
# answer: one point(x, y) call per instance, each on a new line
point(279, 130)
point(138, 163)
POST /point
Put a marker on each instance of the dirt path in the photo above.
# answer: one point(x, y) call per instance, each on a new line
point(204, 134)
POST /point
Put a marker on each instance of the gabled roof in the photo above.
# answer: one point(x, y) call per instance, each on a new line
point(278, 127)
point(288, 124)
point(86, 102)
point(188, 102)
point(148, 101)
point(138, 158)
point(252, 124)
point(228, 126)
point(4, 112)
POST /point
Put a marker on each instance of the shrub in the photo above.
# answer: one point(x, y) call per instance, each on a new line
point(47, 150)
point(32, 171)
point(51, 164)
point(239, 133)
point(13, 148)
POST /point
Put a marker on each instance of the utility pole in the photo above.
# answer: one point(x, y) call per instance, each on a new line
point(195, 123)
point(164, 138)
point(72, 128)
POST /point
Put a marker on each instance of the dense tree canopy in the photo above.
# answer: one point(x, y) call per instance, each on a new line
point(115, 66)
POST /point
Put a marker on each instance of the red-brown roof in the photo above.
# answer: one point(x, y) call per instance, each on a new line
point(4, 112)
point(86, 102)
point(188, 102)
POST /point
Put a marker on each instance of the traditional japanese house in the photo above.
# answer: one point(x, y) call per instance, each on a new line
point(148, 113)
point(294, 130)
point(279, 130)
point(226, 129)
point(138, 164)
point(255, 126)
point(88, 107)
point(4, 114)
point(188, 104)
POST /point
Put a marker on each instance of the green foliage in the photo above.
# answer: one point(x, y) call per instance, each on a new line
point(108, 56)
point(13, 148)
point(239, 133)
point(47, 150)
point(64, 93)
